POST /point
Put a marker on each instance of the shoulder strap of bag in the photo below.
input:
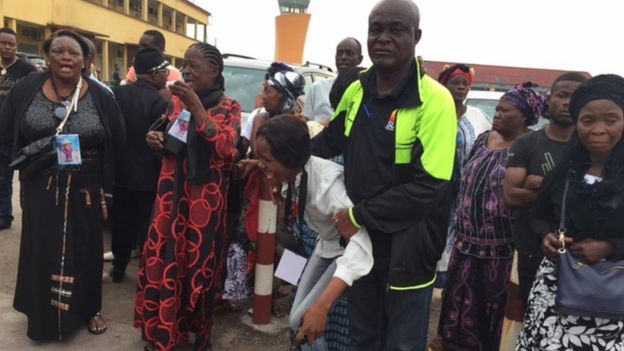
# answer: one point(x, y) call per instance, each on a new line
point(72, 106)
point(562, 229)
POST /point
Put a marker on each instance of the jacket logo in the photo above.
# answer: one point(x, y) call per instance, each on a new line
point(390, 126)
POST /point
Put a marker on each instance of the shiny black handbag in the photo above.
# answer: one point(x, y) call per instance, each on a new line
point(588, 290)
point(35, 157)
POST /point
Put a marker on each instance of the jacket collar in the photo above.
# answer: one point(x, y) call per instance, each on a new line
point(407, 93)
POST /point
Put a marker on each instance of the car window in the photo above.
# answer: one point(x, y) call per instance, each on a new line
point(486, 105)
point(243, 84)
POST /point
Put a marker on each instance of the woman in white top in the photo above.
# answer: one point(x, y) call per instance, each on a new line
point(283, 150)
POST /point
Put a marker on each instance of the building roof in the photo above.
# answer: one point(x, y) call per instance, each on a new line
point(503, 76)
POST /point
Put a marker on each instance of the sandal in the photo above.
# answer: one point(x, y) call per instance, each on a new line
point(234, 306)
point(278, 311)
point(97, 324)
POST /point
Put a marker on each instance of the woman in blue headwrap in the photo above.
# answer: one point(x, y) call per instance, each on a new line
point(481, 258)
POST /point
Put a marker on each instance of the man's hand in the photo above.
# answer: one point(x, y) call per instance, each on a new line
point(155, 140)
point(533, 182)
point(343, 224)
point(590, 251)
point(312, 325)
point(551, 245)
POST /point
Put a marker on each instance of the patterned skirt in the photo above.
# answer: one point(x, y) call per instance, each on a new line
point(474, 302)
point(546, 329)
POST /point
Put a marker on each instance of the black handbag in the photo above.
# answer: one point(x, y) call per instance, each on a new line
point(285, 231)
point(587, 290)
point(41, 154)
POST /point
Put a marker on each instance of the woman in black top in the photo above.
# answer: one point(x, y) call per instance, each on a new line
point(59, 280)
point(594, 218)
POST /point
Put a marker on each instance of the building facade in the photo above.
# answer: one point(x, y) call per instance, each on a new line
point(115, 26)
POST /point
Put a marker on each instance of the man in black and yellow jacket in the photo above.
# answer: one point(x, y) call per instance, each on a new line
point(397, 129)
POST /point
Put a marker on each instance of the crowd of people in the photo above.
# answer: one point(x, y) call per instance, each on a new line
point(391, 185)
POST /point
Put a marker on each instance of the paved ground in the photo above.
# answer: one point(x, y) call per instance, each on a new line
point(232, 331)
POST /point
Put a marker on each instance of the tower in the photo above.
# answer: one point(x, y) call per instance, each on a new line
point(291, 27)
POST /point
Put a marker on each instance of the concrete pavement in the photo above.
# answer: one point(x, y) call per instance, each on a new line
point(231, 331)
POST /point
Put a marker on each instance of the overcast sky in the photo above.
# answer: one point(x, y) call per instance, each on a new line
point(558, 34)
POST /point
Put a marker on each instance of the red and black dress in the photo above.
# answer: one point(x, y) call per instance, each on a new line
point(182, 258)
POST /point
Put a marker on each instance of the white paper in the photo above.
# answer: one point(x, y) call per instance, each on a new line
point(290, 267)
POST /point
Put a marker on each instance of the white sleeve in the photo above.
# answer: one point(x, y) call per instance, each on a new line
point(357, 260)
point(248, 128)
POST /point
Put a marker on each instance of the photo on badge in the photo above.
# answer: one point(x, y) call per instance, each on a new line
point(68, 150)
point(179, 129)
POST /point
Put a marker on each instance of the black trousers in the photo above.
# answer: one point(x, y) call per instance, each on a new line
point(131, 216)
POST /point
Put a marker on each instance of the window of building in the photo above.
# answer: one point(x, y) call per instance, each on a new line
point(99, 2)
point(179, 25)
point(136, 9)
point(201, 32)
point(152, 12)
point(117, 5)
point(167, 20)
point(190, 28)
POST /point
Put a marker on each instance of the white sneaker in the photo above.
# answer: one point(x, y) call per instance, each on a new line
point(108, 256)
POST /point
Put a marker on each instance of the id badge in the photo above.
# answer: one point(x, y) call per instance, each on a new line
point(179, 129)
point(68, 150)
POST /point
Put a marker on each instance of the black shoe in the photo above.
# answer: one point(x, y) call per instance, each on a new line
point(117, 275)
point(5, 223)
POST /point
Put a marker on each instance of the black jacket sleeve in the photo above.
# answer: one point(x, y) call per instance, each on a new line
point(400, 207)
point(542, 214)
point(331, 141)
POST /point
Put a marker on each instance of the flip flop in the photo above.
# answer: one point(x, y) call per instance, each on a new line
point(97, 324)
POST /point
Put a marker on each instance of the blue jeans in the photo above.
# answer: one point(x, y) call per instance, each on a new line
point(6, 183)
point(383, 319)
point(315, 278)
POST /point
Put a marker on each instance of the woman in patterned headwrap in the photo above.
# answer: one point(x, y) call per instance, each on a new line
point(181, 266)
point(594, 218)
point(480, 262)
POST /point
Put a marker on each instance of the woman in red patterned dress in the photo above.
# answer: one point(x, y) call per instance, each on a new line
point(182, 257)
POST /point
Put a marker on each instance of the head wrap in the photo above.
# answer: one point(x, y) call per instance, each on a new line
point(455, 70)
point(148, 60)
point(290, 85)
point(531, 103)
point(277, 67)
point(604, 86)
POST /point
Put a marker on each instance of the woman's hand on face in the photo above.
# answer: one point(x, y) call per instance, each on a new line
point(590, 251)
point(186, 94)
point(551, 245)
point(245, 167)
point(312, 326)
point(155, 140)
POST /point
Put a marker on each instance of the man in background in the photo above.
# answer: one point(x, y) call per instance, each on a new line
point(12, 69)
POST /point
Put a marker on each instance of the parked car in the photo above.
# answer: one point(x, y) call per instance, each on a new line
point(244, 77)
point(36, 60)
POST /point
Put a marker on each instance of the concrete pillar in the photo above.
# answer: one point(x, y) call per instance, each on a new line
point(127, 7)
point(12, 23)
point(144, 10)
point(160, 14)
point(263, 285)
point(105, 69)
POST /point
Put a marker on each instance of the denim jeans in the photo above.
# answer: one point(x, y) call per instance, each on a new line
point(315, 278)
point(6, 183)
point(384, 319)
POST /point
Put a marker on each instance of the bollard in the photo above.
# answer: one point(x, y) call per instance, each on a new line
point(265, 256)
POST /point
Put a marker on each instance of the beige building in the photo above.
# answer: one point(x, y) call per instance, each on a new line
point(114, 25)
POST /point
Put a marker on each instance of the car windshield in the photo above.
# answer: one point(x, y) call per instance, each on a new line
point(486, 105)
point(243, 84)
